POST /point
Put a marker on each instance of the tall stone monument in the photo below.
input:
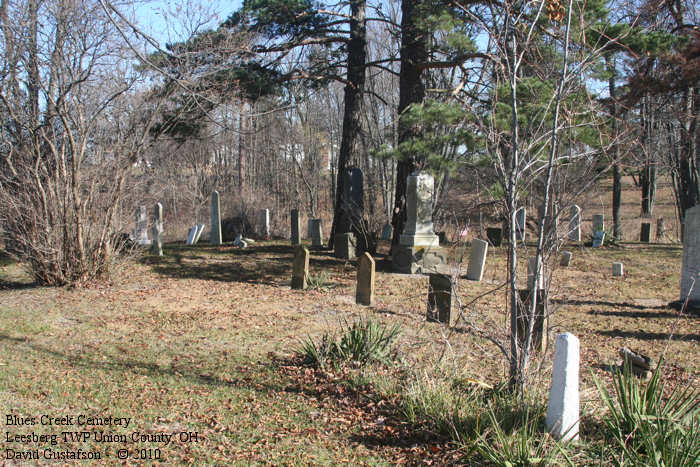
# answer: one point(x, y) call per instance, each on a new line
point(575, 224)
point(563, 407)
point(419, 248)
point(265, 224)
point(690, 281)
point(350, 222)
point(295, 227)
point(364, 294)
point(300, 268)
point(215, 235)
point(158, 230)
point(316, 232)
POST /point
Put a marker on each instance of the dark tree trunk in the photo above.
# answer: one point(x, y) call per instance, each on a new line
point(411, 91)
point(351, 145)
point(617, 175)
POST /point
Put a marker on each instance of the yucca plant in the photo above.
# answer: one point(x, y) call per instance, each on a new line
point(320, 281)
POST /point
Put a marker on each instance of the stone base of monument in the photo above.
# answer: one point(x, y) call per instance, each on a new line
point(539, 337)
point(345, 246)
point(417, 259)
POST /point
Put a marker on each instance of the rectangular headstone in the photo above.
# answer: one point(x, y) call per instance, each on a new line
point(690, 282)
point(617, 269)
point(295, 227)
point(575, 224)
point(563, 408)
point(565, 258)
point(494, 236)
point(190, 236)
point(520, 219)
point(598, 238)
point(300, 269)
point(316, 231)
point(215, 235)
point(598, 223)
point(441, 299)
point(645, 232)
point(364, 295)
point(477, 260)
point(198, 233)
point(141, 231)
point(265, 223)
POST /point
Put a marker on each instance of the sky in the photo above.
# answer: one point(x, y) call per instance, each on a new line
point(172, 20)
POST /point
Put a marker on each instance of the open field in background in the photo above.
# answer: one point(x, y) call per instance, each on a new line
point(201, 340)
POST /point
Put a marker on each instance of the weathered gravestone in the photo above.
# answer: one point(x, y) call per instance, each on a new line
point(494, 236)
point(617, 269)
point(598, 238)
point(565, 258)
point(387, 232)
point(295, 227)
point(351, 216)
point(441, 299)
point(520, 219)
point(598, 223)
point(477, 260)
point(198, 233)
point(300, 269)
point(645, 232)
point(563, 407)
point(157, 230)
point(364, 295)
point(265, 224)
point(215, 234)
point(316, 233)
point(690, 282)
point(191, 235)
point(140, 234)
point(575, 224)
point(418, 249)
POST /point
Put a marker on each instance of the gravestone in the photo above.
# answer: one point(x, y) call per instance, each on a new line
point(660, 229)
point(157, 230)
point(215, 234)
point(520, 219)
point(351, 215)
point(419, 248)
point(598, 238)
point(300, 269)
point(345, 246)
point(141, 231)
point(265, 224)
point(575, 224)
point(477, 260)
point(364, 295)
point(563, 407)
point(190, 236)
point(296, 227)
point(598, 223)
point(198, 233)
point(617, 269)
point(316, 233)
point(441, 299)
point(531, 270)
point(565, 258)
point(494, 236)
point(645, 232)
point(690, 282)
point(387, 232)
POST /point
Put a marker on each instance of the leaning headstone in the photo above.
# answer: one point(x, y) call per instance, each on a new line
point(532, 271)
point(598, 223)
point(364, 294)
point(690, 282)
point(598, 238)
point(575, 224)
point(419, 248)
point(300, 270)
point(387, 232)
point(265, 224)
point(215, 235)
point(316, 233)
point(639, 364)
point(617, 269)
point(520, 219)
point(660, 229)
point(198, 233)
point(441, 299)
point(477, 260)
point(157, 230)
point(494, 235)
point(645, 232)
point(190, 236)
point(141, 231)
point(563, 407)
point(565, 258)
point(295, 227)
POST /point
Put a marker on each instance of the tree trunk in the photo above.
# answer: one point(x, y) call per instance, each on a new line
point(351, 145)
point(617, 175)
point(411, 91)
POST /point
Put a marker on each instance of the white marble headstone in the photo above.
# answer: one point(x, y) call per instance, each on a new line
point(563, 408)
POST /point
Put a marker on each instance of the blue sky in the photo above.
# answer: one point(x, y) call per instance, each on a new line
point(162, 19)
